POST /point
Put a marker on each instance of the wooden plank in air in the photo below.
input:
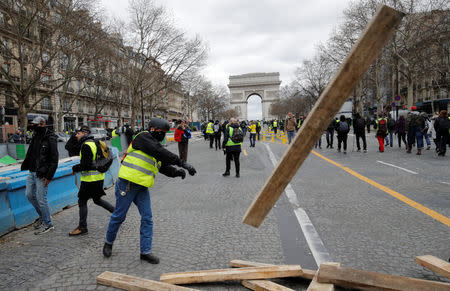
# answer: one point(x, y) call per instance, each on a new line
point(434, 264)
point(264, 285)
point(221, 275)
point(366, 280)
point(306, 273)
point(316, 286)
point(363, 53)
point(132, 283)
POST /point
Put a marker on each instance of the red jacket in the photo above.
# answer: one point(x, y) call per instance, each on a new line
point(178, 134)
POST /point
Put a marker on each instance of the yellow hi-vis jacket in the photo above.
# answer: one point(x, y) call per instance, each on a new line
point(275, 124)
point(114, 133)
point(92, 175)
point(230, 142)
point(139, 167)
point(209, 128)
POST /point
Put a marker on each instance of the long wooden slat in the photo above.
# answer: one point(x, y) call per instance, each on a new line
point(359, 279)
point(316, 286)
point(221, 275)
point(306, 273)
point(434, 264)
point(330, 101)
point(264, 285)
point(132, 283)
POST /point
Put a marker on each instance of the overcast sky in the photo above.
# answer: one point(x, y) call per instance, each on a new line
point(247, 36)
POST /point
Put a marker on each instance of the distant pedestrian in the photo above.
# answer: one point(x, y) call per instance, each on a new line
point(244, 127)
point(217, 134)
point(426, 128)
point(182, 135)
point(368, 123)
point(442, 128)
point(400, 131)
point(129, 134)
point(252, 130)
point(232, 143)
point(343, 129)
point(330, 133)
point(258, 128)
point(290, 125)
point(359, 125)
point(391, 130)
point(41, 160)
point(19, 137)
point(91, 180)
point(412, 125)
point(381, 131)
point(275, 126)
point(210, 133)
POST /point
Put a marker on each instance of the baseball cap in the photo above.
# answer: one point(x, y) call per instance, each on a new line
point(84, 128)
point(38, 120)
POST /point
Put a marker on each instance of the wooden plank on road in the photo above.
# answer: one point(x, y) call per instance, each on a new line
point(366, 280)
point(434, 264)
point(264, 285)
point(132, 283)
point(316, 286)
point(306, 273)
point(221, 275)
point(363, 53)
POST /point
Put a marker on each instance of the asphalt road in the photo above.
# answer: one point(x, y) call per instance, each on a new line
point(347, 208)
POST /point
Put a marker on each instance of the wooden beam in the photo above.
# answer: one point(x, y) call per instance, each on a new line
point(132, 283)
point(366, 280)
point(221, 275)
point(264, 285)
point(363, 53)
point(434, 264)
point(316, 286)
point(306, 273)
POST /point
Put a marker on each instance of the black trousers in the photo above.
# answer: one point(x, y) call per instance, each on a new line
point(235, 157)
point(342, 138)
point(183, 151)
point(401, 136)
point(211, 140)
point(363, 137)
point(82, 204)
point(217, 141)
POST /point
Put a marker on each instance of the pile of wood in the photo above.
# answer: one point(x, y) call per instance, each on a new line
point(254, 276)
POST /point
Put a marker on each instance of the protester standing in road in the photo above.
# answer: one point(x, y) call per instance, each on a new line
point(145, 157)
point(275, 126)
point(359, 125)
point(210, 133)
point(41, 160)
point(258, 128)
point(381, 131)
point(252, 130)
point(182, 135)
point(128, 134)
point(232, 148)
point(426, 127)
point(330, 134)
point(400, 131)
point(391, 129)
point(343, 129)
point(217, 134)
point(442, 128)
point(368, 123)
point(91, 180)
point(412, 125)
point(290, 127)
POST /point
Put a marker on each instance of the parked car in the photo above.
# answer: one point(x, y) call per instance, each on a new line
point(99, 133)
point(62, 136)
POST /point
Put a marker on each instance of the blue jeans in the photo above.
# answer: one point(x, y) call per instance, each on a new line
point(37, 195)
point(141, 197)
point(419, 138)
point(252, 139)
point(290, 135)
point(390, 136)
point(427, 139)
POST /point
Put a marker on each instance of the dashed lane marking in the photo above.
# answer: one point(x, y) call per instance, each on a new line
point(313, 239)
point(447, 183)
point(406, 170)
point(436, 215)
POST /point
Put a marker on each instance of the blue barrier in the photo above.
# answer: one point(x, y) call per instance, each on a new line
point(15, 209)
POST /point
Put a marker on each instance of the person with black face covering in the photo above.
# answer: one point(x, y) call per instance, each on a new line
point(145, 157)
point(41, 160)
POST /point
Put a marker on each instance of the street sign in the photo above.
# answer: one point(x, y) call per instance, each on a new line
point(397, 98)
point(393, 104)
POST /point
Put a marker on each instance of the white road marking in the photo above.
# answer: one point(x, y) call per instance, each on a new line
point(313, 239)
point(445, 183)
point(406, 170)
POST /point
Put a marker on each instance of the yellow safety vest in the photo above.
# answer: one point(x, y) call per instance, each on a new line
point(230, 142)
point(93, 175)
point(299, 123)
point(275, 124)
point(209, 128)
point(114, 134)
point(139, 167)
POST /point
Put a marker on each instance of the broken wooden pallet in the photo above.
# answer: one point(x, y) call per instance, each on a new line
point(434, 264)
point(132, 283)
point(221, 275)
point(264, 285)
point(316, 286)
point(306, 273)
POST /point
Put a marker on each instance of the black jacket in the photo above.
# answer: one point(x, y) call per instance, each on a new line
point(73, 146)
point(226, 136)
point(43, 151)
point(146, 143)
point(86, 163)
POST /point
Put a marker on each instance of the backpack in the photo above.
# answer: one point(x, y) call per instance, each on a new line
point(444, 123)
point(104, 157)
point(343, 127)
point(237, 136)
point(391, 124)
point(216, 128)
point(360, 123)
point(382, 127)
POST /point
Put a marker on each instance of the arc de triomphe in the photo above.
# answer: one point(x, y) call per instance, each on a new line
point(265, 85)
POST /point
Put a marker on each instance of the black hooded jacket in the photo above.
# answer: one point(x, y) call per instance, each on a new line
point(42, 155)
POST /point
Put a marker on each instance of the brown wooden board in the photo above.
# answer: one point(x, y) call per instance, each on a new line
point(306, 273)
point(264, 285)
point(127, 282)
point(221, 275)
point(367, 280)
point(316, 286)
point(362, 55)
point(434, 264)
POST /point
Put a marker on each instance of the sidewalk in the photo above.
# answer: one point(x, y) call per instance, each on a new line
point(197, 226)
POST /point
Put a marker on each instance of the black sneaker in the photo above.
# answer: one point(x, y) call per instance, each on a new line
point(226, 174)
point(107, 250)
point(152, 259)
point(44, 229)
point(37, 224)
point(237, 175)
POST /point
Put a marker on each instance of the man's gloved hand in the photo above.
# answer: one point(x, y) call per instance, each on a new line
point(181, 173)
point(190, 168)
